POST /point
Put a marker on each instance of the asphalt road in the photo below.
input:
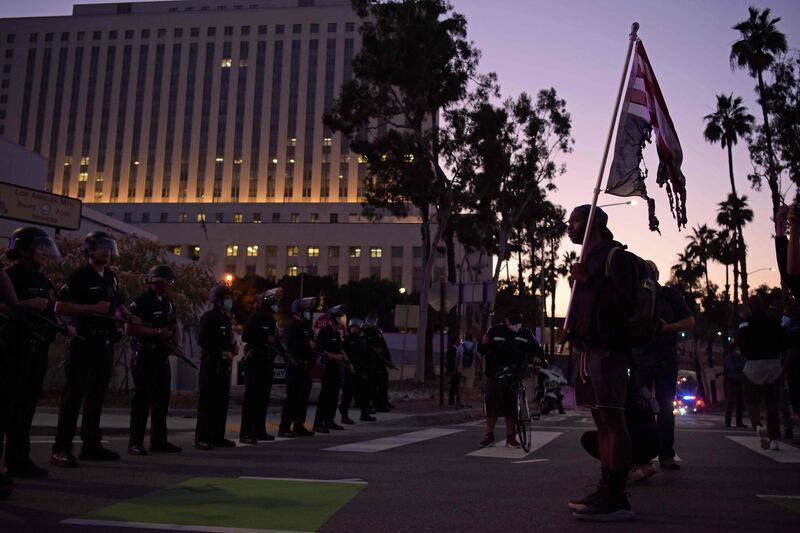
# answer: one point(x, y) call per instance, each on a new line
point(431, 479)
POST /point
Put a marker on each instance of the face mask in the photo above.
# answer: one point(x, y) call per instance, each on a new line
point(227, 304)
point(515, 327)
point(274, 308)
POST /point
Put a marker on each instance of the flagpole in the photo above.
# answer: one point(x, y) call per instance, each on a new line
point(632, 37)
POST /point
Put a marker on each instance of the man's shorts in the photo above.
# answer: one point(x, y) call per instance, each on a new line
point(501, 398)
point(467, 375)
point(602, 379)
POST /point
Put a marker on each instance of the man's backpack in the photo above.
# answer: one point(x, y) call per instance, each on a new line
point(644, 322)
point(468, 357)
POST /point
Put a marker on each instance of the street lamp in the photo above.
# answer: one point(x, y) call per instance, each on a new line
point(229, 279)
point(402, 290)
point(629, 202)
point(771, 269)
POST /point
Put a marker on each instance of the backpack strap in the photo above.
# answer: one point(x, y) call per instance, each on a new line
point(608, 260)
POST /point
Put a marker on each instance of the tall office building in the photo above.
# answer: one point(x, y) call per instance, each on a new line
point(201, 121)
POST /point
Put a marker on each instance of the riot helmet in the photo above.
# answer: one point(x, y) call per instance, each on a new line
point(303, 304)
point(219, 293)
point(371, 320)
point(337, 311)
point(97, 240)
point(162, 274)
point(26, 240)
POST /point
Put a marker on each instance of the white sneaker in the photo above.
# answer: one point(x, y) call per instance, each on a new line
point(773, 445)
point(762, 436)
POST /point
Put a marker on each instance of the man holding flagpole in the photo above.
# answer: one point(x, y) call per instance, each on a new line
point(602, 302)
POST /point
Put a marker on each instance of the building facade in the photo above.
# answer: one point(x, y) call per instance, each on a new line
point(201, 122)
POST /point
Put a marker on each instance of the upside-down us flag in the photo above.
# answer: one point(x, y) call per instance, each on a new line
point(643, 112)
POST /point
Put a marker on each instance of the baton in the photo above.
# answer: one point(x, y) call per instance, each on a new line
point(58, 325)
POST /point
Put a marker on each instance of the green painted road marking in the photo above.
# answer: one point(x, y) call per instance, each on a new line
point(288, 505)
point(792, 503)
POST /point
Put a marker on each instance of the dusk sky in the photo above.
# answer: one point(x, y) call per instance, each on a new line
point(578, 46)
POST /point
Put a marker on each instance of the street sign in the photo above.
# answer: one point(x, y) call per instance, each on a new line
point(450, 295)
point(406, 316)
point(39, 207)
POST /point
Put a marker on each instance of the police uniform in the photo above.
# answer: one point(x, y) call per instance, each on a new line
point(8, 353)
point(506, 348)
point(89, 362)
point(382, 358)
point(30, 367)
point(216, 337)
point(151, 371)
point(258, 368)
point(354, 384)
point(329, 340)
point(298, 375)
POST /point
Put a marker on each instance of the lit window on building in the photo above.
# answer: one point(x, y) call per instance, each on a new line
point(183, 217)
point(226, 63)
point(83, 176)
point(201, 217)
point(293, 271)
point(256, 218)
point(176, 250)
point(327, 141)
point(238, 218)
point(252, 250)
point(313, 251)
point(195, 252)
point(314, 217)
point(355, 252)
point(295, 218)
point(219, 159)
point(292, 141)
point(376, 252)
point(68, 161)
point(292, 251)
point(232, 250)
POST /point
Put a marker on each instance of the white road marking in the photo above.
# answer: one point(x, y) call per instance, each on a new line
point(499, 450)
point(531, 461)
point(779, 496)
point(168, 527)
point(386, 443)
point(787, 453)
point(351, 481)
point(52, 441)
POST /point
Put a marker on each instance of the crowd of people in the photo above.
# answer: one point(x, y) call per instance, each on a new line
point(355, 364)
point(623, 328)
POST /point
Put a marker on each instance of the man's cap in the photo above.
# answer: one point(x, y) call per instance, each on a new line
point(600, 218)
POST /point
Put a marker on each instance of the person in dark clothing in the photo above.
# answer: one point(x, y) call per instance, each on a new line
point(218, 350)
point(301, 345)
point(505, 345)
point(31, 248)
point(382, 362)
point(734, 376)
point(787, 251)
point(91, 294)
point(334, 361)
point(761, 342)
point(153, 343)
point(8, 352)
point(602, 302)
point(659, 370)
point(261, 338)
point(355, 384)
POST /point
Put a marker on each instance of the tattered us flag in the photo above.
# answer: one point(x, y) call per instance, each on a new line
point(644, 112)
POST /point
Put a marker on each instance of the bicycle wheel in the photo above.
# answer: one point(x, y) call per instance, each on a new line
point(523, 421)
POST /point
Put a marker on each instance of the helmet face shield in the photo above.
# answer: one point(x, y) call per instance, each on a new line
point(46, 246)
point(106, 243)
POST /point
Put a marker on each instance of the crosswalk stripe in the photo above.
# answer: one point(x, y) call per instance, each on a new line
point(499, 450)
point(787, 453)
point(386, 443)
point(531, 461)
point(168, 527)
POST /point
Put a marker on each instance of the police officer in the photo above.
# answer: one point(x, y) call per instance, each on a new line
point(354, 384)
point(153, 344)
point(30, 248)
point(382, 361)
point(334, 360)
point(261, 338)
point(507, 344)
point(91, 294)
point(218, 350)
point(301, 345)
point(8, 302)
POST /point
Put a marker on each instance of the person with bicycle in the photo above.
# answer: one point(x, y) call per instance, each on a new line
point(507, 347)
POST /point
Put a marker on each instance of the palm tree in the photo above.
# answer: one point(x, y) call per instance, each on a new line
point(700, 247)
point(758, 45)
point(687, 271)
point(726, 125)
point(733, 214)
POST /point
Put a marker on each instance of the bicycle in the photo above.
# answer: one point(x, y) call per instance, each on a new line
point(524, 418)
